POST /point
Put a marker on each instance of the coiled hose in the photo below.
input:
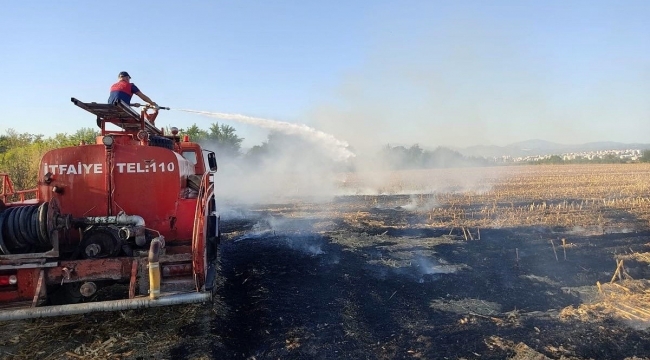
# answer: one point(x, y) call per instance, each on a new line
point(23, 229)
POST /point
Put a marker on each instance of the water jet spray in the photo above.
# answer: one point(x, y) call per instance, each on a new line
point(336, 148)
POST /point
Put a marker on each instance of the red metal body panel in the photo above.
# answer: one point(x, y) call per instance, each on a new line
point(79, 171)
point(185, 218)
point(148, 182)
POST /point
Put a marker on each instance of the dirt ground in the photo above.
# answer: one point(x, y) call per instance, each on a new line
point(426, 275)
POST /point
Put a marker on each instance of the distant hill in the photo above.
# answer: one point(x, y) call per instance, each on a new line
point(542, 147)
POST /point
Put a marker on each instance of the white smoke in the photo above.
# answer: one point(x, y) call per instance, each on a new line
point(304, 163)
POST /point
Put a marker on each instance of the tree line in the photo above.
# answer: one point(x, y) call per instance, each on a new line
point(414, 157)
point(20, 153)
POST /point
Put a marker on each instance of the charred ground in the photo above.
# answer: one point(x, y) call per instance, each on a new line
point(433, 276)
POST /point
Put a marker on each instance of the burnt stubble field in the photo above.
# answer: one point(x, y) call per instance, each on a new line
point(513, 262)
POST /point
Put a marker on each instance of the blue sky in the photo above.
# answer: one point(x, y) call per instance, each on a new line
point(370, 72)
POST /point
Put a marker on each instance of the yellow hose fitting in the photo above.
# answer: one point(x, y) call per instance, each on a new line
point(154, 267)
point(154, 280)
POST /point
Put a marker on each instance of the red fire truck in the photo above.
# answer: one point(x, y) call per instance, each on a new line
point(131, 217)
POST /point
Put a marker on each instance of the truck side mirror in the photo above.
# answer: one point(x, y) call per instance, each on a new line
point(212, 161)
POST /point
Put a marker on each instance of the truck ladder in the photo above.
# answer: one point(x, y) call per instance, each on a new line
point(119, 114)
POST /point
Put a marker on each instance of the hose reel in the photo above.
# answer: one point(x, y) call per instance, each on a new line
point(31, 228)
